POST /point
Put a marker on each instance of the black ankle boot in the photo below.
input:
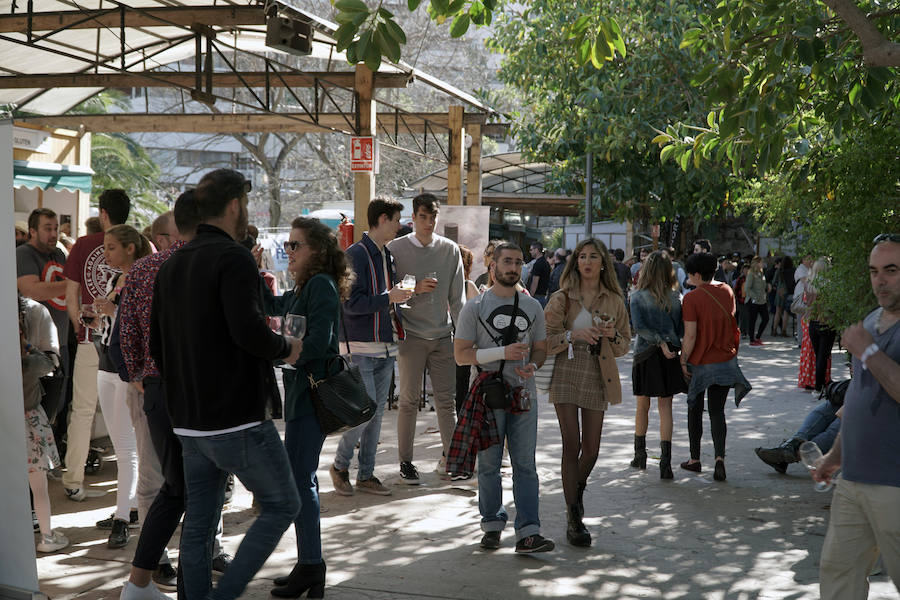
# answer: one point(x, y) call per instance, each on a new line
point(640, 452)
point(665, 461)
point(582, 485)
point(302, 578)
point(576, 532)
point(789, 450)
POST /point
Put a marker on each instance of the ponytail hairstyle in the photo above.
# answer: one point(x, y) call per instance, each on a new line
point(327, 255)
point(126, 234)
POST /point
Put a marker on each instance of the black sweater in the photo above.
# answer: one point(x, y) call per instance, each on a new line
point(209, 337)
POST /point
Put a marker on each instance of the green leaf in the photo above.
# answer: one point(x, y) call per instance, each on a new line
point(854, 92)
point(385, 14)
point(460, 25)
point(413, 4)
point(344, 35)
point(685, 159)
point(806, 32)
point(351, 6)
point(583, 52)
point(690, 37)
point(806, 52)
point(618, 40)
point(711, 119)
point(661, 138)
point(373, 57)
point(440, 7)
point(388, 45)
point(395, 31)
point(580, 26)
point(455, 6)
point(666, 153)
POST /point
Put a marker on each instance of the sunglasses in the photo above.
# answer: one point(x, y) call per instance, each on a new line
point(292, 246)
point(887, 237)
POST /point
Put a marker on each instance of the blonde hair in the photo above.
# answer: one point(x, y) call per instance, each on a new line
point(571, 278)
point(657, 276)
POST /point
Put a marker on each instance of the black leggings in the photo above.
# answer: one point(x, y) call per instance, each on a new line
point(822, 339)
point(716, 396)
point(753, 310)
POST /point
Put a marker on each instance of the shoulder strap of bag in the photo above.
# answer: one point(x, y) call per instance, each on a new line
point(708, 293)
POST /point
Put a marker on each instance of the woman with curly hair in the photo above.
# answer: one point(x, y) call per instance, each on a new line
point(656, 317)
point(322, 281)
point(587, 328)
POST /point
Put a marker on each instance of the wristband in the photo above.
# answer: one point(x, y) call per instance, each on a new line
point(487, 355)
point(867, 353)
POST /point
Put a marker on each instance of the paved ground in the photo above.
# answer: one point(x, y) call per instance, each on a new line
point(758, 535)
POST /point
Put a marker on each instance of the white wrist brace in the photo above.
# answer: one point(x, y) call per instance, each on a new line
point(868, 352)
point(487, 355)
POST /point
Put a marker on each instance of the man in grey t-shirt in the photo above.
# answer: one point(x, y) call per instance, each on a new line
point(479, 341)
point(865, 519)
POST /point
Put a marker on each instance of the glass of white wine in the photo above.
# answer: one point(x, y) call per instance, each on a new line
point(294, 326)
point(408, 283)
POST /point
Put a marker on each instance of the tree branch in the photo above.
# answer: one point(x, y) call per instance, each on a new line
point(877, 50)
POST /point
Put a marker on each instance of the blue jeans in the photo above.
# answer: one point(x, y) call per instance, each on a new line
point(520, 431)
point(821, 426)
point(257, 458)
point(303, 440)
point(376, 374)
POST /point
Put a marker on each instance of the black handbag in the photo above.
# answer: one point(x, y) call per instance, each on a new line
point(496, 392)
point(341, 401)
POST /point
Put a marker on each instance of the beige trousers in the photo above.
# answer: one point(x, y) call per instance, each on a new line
point(81, 415)
point(413, 357)
point(865, 521)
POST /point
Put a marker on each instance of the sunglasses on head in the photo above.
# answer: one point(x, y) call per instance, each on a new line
point(291, 246)
point(887, 237)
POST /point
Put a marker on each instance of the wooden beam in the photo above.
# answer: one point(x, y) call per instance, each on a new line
point(363, 182)
point(473, 166)
point(245, 122)
point(187, 80)
point(543, 205)
point(185, 16)
point(454, 168)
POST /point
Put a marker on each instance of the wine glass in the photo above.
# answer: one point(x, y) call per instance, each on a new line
point(275, 324)
point(88, 315)
point(432, 275)
point(810, 455)
point(294, 326)
point(407, 283)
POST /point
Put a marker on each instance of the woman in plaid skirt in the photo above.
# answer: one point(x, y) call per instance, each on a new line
point(587, 328)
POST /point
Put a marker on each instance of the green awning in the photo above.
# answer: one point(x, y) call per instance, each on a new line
point(30, 174)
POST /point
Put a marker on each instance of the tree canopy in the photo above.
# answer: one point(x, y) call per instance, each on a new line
point(570, 108)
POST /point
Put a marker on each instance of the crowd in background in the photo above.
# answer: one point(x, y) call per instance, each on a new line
point(140, 322)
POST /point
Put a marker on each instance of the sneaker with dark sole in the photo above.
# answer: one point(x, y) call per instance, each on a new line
point(341, 481)
point(534, 543)
point(490, 540)
point(108, 523)
point(221, 563)
point(119, 535)
point(373, 485)
point(166, 577)
point(409, 474)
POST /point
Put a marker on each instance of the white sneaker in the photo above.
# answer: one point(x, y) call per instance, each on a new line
point(133, 592)
point(53, 542)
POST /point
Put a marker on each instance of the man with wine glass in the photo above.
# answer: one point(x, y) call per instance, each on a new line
point(436, 264)
point(372, 330)
point(481, 329)
point(214, 350)
point(864, 516)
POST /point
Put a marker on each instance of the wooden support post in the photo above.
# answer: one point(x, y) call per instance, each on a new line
point(473, 169)
point(454, 169)
point(363, 182)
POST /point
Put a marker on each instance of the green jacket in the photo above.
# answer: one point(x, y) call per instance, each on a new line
point(319, 301)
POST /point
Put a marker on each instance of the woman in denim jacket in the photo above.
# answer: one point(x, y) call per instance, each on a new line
point(656, 318)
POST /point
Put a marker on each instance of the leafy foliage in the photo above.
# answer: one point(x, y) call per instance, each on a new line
point(780, 79)
point(571, 108)
point(841, 198)
point(371, 34)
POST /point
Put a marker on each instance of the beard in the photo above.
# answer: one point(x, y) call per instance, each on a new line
point(240, 228)
point(509, 279)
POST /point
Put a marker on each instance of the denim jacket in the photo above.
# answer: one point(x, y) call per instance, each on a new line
point(652, 324)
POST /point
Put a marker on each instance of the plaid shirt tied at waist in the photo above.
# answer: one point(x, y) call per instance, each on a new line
point(476, 428)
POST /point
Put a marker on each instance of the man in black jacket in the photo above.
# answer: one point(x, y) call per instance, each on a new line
point(214, 351)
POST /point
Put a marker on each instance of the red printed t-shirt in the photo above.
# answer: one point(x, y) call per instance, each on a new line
point(87, 267)
point(715, 328)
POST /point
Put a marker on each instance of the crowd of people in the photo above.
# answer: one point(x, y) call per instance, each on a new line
point(177, 334)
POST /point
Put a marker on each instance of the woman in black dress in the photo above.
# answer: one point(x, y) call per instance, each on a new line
point(656, 318)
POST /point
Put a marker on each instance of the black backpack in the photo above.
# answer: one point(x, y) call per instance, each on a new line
point(834, 392)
